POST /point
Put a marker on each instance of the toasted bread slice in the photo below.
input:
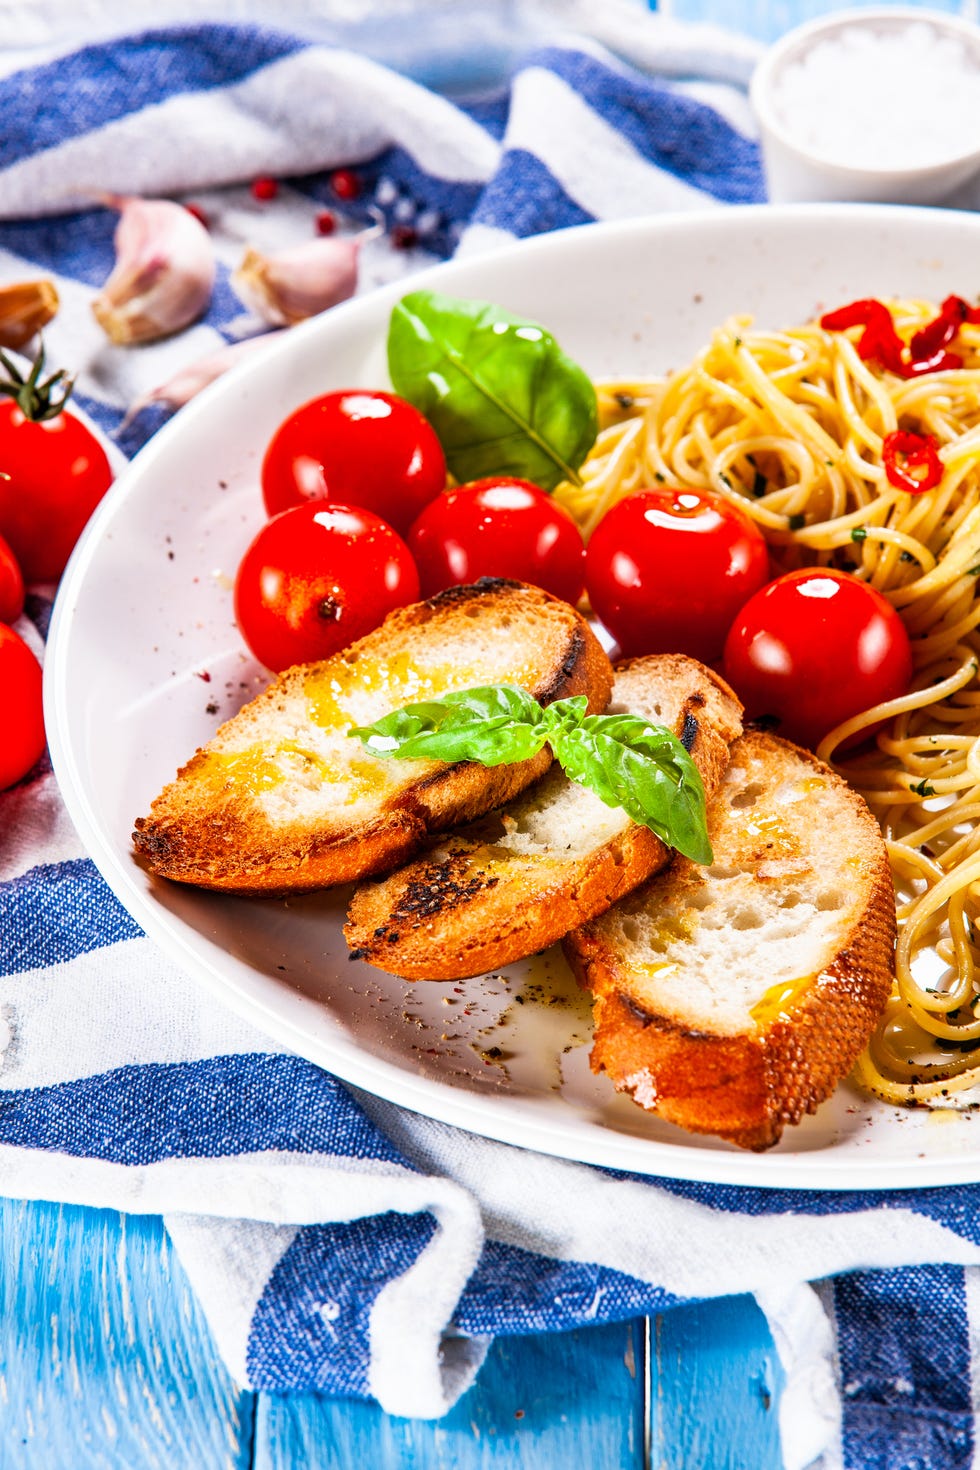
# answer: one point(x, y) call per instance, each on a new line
point(551, 859)
point(732, 999)
point(284, 800)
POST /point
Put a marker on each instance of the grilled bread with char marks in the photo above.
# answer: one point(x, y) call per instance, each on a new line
point(732, 999)
point(521, 878)
point(282, 800)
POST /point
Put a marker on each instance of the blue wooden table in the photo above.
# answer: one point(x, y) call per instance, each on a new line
point(106, 1361)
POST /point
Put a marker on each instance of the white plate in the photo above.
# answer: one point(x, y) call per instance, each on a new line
point(144, 662)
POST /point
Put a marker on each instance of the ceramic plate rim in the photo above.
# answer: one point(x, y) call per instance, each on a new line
point(505, 1121)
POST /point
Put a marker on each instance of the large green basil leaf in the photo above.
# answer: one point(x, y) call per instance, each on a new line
point(494, 724)
point(661, 790)
point(565, 714)
point(627, 761)
point(500, 393)
point(641, 734)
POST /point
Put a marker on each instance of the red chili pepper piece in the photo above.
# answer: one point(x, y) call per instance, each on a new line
point(879, 341)
point(856, 314)
point(903, 452)
point(966, 312)
point(943, 361)
point(927, 344)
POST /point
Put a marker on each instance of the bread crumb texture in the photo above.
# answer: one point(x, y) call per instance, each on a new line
point(732, 998)
point(282, 799)
point(553, 857)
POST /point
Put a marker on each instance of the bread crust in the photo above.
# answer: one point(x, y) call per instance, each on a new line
point(747, 1086)
point(474, 905)
point(215, 834)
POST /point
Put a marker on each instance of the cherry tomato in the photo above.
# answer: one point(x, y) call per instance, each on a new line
point(814, 648)
point(358, 447)
point(54, 473)
point(22, 727)
point(668, 569)
point(11, 585)
point(317, 577)
point(498, 528)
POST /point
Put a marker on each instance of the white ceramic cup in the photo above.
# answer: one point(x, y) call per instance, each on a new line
point(796, 171)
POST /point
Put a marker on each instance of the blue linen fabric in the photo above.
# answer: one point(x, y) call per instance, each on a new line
point(336, 1242)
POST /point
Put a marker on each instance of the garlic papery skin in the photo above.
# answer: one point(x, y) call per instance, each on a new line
point(164, 272)
point(189, 380)
point(300, 281)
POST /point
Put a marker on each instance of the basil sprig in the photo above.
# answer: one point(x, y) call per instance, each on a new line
point(624, 759)
point(500, 393)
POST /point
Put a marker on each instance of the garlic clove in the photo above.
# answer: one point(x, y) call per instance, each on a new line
point(298, 282)
point(164, 272)
point(188, 381)
point(25, 307)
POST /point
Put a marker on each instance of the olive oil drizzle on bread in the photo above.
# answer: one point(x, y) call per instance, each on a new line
point(227, 822)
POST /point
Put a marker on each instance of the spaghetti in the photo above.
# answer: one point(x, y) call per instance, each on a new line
point(791, 426)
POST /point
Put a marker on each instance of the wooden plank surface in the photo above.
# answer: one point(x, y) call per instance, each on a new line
point(106, 1361)
point(565, 1399)
point(716, 1380)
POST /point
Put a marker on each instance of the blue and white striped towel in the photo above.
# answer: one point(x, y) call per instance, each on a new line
point(339, 1243)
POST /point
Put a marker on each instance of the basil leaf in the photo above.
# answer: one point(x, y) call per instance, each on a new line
point(658, 786)
point(625, 759)
point(500, 393)
point(493, 701)
point(640, 733)
point(495, 725)
point(565, 714)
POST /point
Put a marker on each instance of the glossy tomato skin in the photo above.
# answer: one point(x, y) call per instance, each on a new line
point(22, 728)
point(317, 577)
point(668, 569)
point(56, 473)
point(356, 447)
point(499, 527)
point(11, 585)
point(814, 648)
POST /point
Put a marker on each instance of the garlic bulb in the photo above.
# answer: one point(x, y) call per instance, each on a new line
point(300, 281)
point(188, 381)
point(164, 272)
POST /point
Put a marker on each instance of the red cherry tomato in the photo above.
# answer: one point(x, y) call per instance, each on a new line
point(316, 578)
point(54, 473)
point(358, 447)
point(498, 528)
point(814, 648)
point(22, 727)
point(11, 585)
point(668, 569)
